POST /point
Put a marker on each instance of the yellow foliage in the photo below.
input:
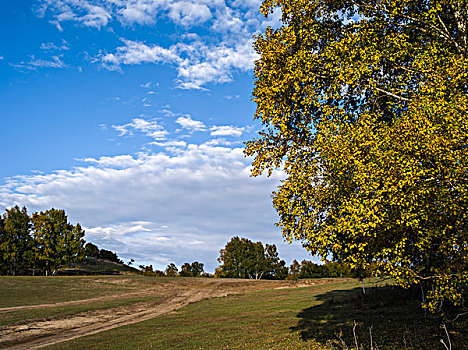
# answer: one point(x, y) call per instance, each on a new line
point(364, 105)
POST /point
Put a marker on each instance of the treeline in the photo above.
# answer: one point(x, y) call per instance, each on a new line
point(242, 258)
point(38, 244)
point(309, 269)
point(195, 269)
point(92, 251)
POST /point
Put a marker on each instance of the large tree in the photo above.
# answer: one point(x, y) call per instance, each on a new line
point(364, 106)
point(57, 242)
point(15, 240)
point(242, 258)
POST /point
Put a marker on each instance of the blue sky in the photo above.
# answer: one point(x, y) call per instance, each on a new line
point(131, 115)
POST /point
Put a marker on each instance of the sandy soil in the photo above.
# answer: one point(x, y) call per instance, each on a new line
point(34, 334)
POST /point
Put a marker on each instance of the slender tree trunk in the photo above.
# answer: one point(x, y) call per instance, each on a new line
point(423, 297)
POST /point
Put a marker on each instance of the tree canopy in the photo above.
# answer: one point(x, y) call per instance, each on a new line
point(242, 258)
point(42, 242)
point(57, 241)
point(15, 241)
point(364, 107)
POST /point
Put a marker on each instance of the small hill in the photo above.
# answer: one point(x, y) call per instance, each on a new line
point(91, 266)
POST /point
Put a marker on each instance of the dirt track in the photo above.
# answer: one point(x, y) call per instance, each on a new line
point(36, 334)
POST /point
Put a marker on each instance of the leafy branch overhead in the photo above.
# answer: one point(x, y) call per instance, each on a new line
point(364, 106)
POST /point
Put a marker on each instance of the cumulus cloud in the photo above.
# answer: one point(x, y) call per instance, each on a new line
point(170, 144)
point(85, 12)
point(199, 59)
point(159, 208)
point(197, 64)
point(135, 52)
point(150, 128)
point(190, 124)
point(139, 11)
point(226, 130)
point(189, 13)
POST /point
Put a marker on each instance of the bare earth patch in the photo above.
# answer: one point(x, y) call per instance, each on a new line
point(34, 334)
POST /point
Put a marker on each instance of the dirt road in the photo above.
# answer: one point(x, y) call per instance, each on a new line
point(38, 333)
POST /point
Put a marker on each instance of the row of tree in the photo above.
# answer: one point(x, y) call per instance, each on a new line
point(195, 269)
point(242, 258)
point(40, 243)
point(309, 269)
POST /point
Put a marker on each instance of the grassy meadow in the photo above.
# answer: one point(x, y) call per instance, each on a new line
point(316, 317)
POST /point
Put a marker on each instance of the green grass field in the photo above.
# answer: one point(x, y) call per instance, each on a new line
point(316, 317)
point(16, 291)
point(303, 318)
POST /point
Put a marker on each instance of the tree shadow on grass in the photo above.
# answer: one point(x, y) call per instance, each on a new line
point(392, 316)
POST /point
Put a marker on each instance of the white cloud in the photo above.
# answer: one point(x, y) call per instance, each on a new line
point(159, 207)
point(199, 59)
point(89, 13)
point(226, 130)
point(189, 13)
point(219, 142)
point(139, 11)
point(123, 161)
point(35, 63)
point(135, 52)
point(190, 124)
point(197, 64)
point(173, 143)
point(150, 128)
point(53, 47)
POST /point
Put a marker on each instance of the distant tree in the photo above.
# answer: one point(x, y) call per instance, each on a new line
point(242, 258)
point(91, 251)
point(310, 269)
point(3, 262)
point(273, 265)
point(235, 257)
point(197, 269)
point(336, 269)
point(256, 263)
point(56, 241)
point(186, 270)
point(281, 272)
point(131, 262)
point(109, 255)
point(15, 240)
point(294, 270)
point(158, 273)
point(171, 270)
